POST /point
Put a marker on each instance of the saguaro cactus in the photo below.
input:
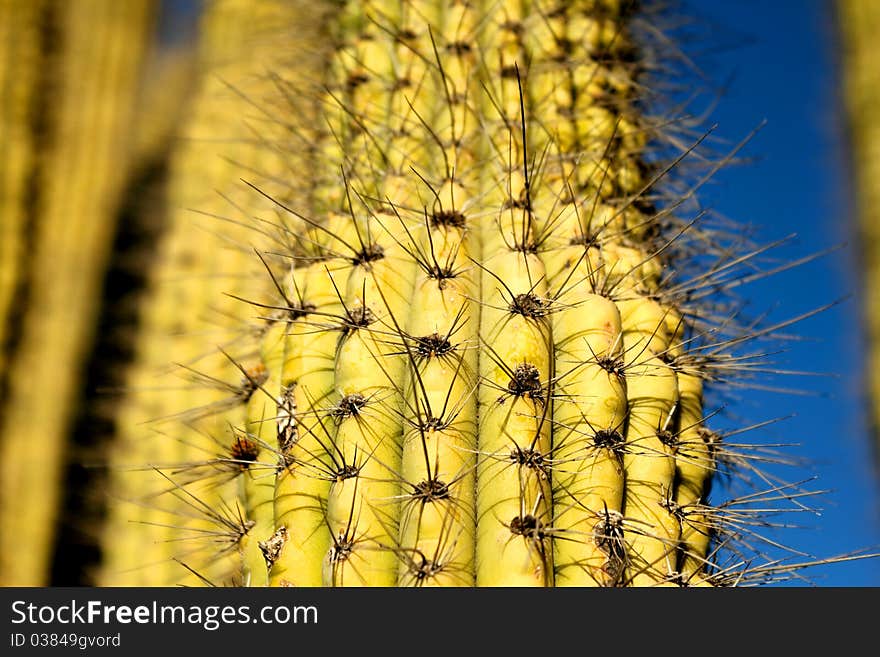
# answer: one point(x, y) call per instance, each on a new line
point(488, 319)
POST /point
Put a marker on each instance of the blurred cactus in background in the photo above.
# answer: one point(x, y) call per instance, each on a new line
point(859, 25)
point(251, 53)
point(71, 75)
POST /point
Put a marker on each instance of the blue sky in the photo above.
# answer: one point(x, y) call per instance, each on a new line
point(784, 71)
